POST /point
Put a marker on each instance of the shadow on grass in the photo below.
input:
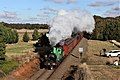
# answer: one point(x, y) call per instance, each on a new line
point(100, 55)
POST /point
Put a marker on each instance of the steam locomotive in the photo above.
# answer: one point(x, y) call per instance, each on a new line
point(52, 56)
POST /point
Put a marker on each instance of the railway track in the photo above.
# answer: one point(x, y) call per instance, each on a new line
point(71, 59)
point(45, 75)
point(42, 74)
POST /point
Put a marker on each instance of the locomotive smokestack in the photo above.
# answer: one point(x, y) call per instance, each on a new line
point(67, 22)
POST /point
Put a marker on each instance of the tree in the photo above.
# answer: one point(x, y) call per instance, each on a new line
point(106, 28)
point(16, 36)
point(26, 26)
point(26, 37)
point(35, 34)
point(100, 37)
point(9, 36)
point(2, 47)
point(86, 35)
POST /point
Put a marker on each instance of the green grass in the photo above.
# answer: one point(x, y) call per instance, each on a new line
point(8, 66)
point(18, 48)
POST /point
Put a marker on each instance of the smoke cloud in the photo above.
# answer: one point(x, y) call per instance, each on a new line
point(66, 22)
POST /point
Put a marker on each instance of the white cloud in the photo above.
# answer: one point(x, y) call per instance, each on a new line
point(117, 8)
point(62, 1)
point(56, 1)
point(101, 3)
point(42, 17)
point(47, 13)
point(71, 1)
point(113, 12)
point(8, 15)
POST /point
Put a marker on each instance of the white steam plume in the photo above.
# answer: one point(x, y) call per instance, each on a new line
point(65, 22)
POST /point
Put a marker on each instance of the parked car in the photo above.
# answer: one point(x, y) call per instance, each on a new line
point(113, 53)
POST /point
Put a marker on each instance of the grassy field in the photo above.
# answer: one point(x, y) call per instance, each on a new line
point(94, 51)
point(7, 66)
point(97, 63)
point(19, 48)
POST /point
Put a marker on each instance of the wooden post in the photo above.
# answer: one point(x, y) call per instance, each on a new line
point(80, 51)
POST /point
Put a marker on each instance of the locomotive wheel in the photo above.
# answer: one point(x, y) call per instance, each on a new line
point(51, 67)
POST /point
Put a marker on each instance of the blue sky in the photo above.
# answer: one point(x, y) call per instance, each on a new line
point(41, 11)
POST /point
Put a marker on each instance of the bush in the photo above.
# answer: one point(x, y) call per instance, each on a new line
point(26, 37)
point(35, 35)
point(2, 47)
point(16, 36)
point(9, 36)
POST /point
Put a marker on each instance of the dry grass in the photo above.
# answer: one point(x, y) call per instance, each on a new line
point(19, 48)
point(97, 63)
point(24, 30)
point(94, 51)
point(30, 32)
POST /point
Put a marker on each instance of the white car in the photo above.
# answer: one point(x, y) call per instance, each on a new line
point(113, 53)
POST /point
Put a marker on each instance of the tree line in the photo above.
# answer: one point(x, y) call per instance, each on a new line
point(25, 26)
point(105, 29)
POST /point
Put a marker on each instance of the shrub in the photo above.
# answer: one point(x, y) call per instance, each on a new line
point(35, 34)
point(2, 47)
point(16, 36)
point(26, 37)
point(9, 36)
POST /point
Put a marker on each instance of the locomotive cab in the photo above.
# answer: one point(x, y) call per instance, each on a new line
point(54, 58)
point(58, 51)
